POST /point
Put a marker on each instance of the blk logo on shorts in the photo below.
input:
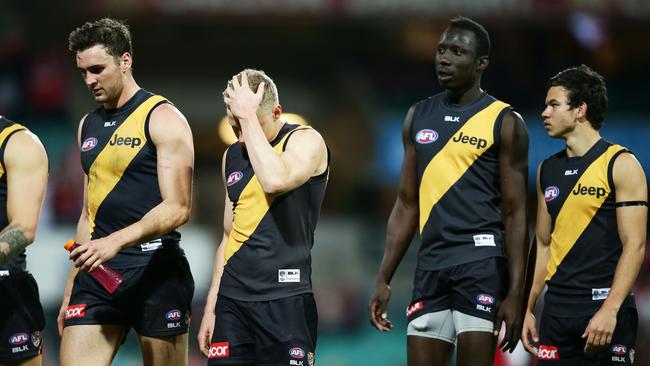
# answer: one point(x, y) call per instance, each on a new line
point(548, 353)
point(550, 193)
point(426, 136)
point(88, 144)
point(219, 350)
point(75, 311)
point(234, 177)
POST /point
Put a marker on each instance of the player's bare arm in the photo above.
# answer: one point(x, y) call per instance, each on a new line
point(305, 155)
point(209, 317)
point(399, 232)
point(529, 333)
point(25, 163)
point(631, 218)
point(513, 168)
point(172, 137)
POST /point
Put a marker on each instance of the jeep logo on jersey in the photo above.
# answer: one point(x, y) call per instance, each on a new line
point(234, 177)
point(548, 353)
point(550, 193)
point(88, 144)
point(75, 311)
point(132, 142)
point(485, 299)
point(472, 140)
point(173, 315)
point(219, 350)
point(297, 352)
point(619, 349)
point(18, 339)
point(591, 191)
point(414, 308)
point(426, 136)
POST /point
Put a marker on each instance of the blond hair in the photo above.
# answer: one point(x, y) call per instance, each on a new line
point(255, 77)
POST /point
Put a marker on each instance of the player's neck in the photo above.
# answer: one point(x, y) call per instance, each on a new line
point(128, 91)
point(273, 129)
point(578, 143)
point(463, 97)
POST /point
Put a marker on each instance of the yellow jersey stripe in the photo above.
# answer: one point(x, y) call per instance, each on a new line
point(454, 159)
point(110, 164)
point(579, 209)
point(3, 136)
point(252, 206)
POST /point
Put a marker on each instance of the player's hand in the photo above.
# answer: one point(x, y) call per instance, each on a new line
point(510, 313)
point(61, 317)
point(530, 331)
point(239, 97)
point(378, 308)
point(600, 329)
point(205, 331)
point(90, 255)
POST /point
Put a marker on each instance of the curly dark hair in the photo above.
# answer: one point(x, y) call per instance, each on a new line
point(113, 34)
point(584, 85)
point(482, 36)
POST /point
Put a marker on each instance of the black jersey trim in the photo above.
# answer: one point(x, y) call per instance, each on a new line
point(4, 144)
point(146, 122)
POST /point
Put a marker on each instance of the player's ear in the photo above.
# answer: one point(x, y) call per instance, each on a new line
point(482, 63)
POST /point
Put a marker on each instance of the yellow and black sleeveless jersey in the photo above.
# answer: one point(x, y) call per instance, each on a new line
point(119, 158)
point(8, 128)
point(268, 255)
point(457, 152)
point(585, 246)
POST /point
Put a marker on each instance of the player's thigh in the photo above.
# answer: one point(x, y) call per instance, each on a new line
point(32, 361)
point(164, 351)
point(424, 351)
point(431, 338)
point(476, 348)
point(95, 344)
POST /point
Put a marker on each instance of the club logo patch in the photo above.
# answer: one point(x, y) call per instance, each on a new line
point(551, 193)
point(89, 144)
point(426, 136)
point(234, 177)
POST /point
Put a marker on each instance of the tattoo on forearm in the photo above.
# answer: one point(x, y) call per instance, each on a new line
point(12, 242)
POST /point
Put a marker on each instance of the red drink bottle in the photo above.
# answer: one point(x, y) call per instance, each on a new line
point(103, 274)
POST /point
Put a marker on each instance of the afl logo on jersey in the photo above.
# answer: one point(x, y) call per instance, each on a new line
point(89, 144)
point(426, 136)
point(234, 177)
point(551, 193)
point(485, 299)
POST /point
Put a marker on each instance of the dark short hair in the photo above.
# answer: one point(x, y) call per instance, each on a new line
point(113, 34)
point(482, 36)
point(584, 85)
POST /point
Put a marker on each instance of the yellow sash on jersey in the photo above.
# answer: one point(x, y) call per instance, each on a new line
point(455, 158)
point(579, 209)
point(112, 161)
point(252, 206)
point(3, 136)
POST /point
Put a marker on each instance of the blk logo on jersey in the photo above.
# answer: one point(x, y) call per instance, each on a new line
point(18, 339)
point(88, 144)
point(426, 136)
point(452, 119)
point(547, 353)
point(297, 352)
point(590, 191)
point(551, 193)
point(479, 143)
point(414, 308)
point(219, 350)
point(234, 177)
point(75, 311)
point(109, 123)
point(131, 142)
point(571, 172)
